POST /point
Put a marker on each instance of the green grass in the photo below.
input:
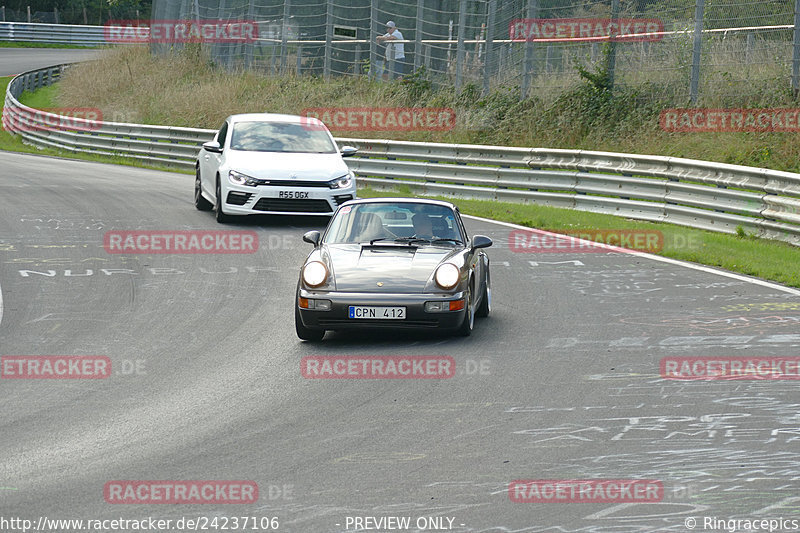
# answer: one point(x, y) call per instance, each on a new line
point(771, 260)
point(45, 98)
point(21, 44)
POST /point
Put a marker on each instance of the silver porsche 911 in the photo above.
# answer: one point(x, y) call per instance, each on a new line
point(393, 263)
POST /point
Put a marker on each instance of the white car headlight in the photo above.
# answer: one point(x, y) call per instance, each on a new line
point(341, 182)
point(447, 276)
point(315, 274)
point(241, 179)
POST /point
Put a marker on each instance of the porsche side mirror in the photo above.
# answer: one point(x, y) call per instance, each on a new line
point(312, 237)
point(480, 241)
point(212, 146)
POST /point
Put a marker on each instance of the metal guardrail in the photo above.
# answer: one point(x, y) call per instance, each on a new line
point(34, 32)
point(698, 194)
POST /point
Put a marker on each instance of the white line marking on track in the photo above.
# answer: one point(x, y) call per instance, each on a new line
point(667, 260)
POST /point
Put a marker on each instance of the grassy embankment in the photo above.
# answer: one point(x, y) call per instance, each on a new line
point(186, 90)
point(22, 44)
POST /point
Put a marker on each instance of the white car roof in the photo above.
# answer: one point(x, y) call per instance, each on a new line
point(273, 117)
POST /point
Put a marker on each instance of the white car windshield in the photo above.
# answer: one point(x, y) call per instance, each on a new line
point(395, 222)
point(281, 137)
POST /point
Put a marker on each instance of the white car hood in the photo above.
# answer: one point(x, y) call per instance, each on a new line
point(287, 166)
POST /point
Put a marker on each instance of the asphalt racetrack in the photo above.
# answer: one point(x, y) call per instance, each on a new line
point(562, 382)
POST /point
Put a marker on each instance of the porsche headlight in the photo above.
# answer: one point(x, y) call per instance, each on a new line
point(342, 182)
point(315, 274)
point(241, 179)
point(447, 276)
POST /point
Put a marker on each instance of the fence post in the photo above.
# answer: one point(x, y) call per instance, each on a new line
point(55, 14)
point(548, 56)
point(612, 44)
point(29, 14)
point(299, 59)
point(696, 49)
point(488, 58)
point(287, 4)
point(219, 50)
point(527, 65)
point(418, 35)
point(460, 52)
point(326, 64)
point(373, 43)
point(249, 46)
point(4, 13)
point(796, 50)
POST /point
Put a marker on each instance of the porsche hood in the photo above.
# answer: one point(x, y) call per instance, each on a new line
point(382, 268)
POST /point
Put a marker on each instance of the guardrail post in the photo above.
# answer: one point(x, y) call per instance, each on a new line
point(462, 30)
point(418, 35)
point(488, 57)
point(530, 51)
point(696, 50)
point(796, 50)
point(326, 66)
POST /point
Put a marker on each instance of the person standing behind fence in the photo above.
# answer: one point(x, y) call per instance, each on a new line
point(393, 34)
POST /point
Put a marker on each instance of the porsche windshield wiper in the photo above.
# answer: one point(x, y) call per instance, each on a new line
point(411, 240)
point(454, 241)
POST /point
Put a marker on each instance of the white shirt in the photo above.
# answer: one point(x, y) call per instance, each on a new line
point(400, 52)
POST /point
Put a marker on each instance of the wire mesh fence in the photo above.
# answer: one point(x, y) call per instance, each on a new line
point(685, 48)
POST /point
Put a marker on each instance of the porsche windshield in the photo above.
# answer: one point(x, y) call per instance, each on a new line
point(281, 137)
point(402, 223)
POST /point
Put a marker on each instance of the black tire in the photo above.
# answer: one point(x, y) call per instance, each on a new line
point(199, 200)
point(485, 307)
point(222, 218)
point(306, 334)
point(465, 330)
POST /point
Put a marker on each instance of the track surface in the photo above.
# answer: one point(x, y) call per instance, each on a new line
point(17, 60)
point(570, 387)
